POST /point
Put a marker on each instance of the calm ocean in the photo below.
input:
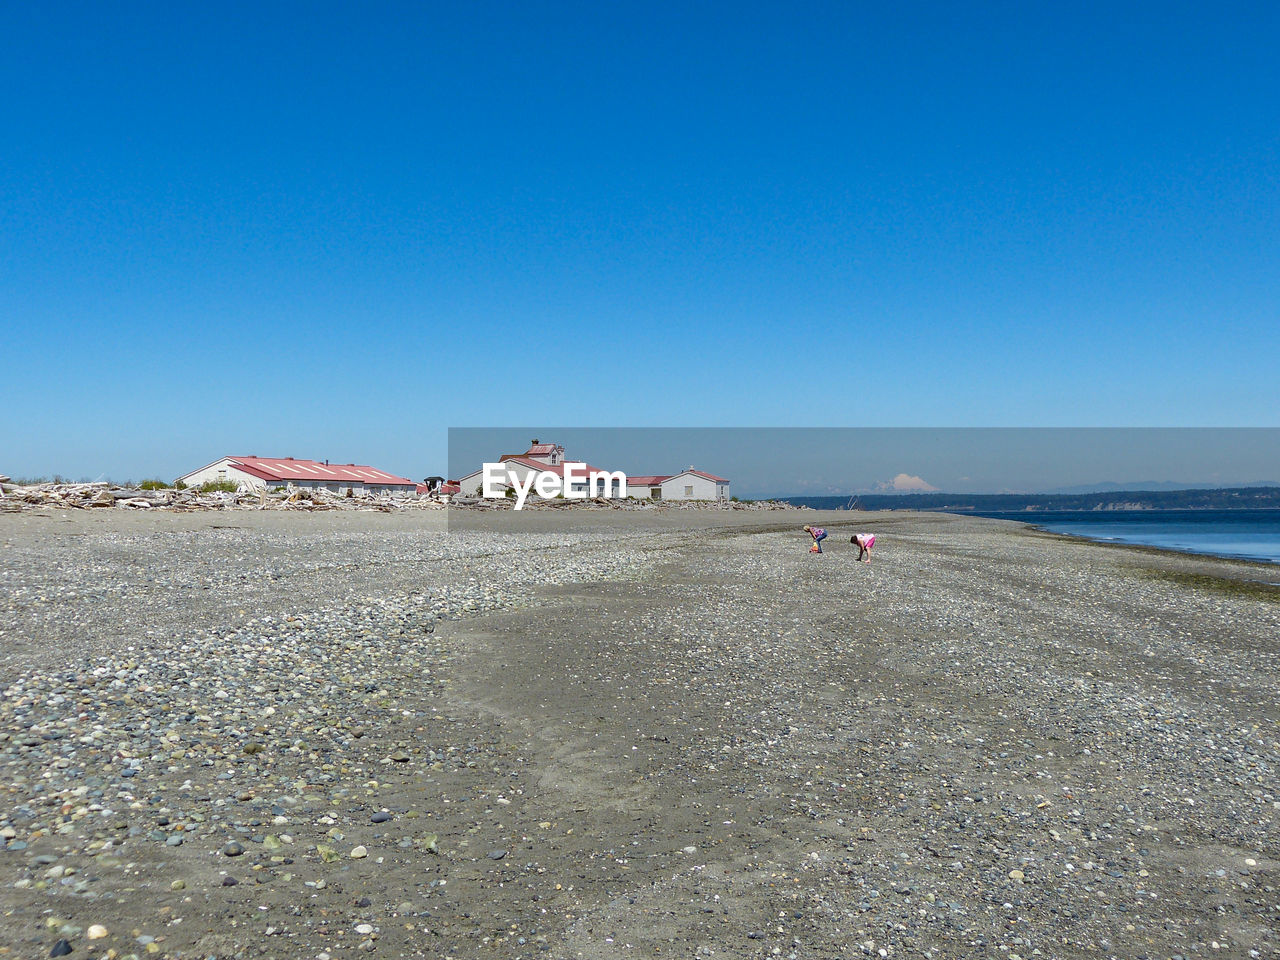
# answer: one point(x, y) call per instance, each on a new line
point(1252, 534)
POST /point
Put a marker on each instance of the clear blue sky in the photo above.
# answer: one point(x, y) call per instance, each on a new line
point(335, 230)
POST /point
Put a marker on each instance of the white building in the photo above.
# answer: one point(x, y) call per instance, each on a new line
point(518, 470)
point(690, 484)
point(645, 488)
point(539, 457)
point(694, 484)
point(257, 473)
point(551, 454)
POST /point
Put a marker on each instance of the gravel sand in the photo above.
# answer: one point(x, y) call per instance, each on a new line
point(604, 735)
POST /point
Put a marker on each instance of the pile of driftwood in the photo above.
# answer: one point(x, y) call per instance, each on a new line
point(90, 496)
point(534, 502)
point(603, 503)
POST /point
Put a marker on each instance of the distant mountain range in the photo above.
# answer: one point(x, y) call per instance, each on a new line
point(1258, 497)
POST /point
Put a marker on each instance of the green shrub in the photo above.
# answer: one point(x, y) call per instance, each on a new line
point(218, 486)
point(153, 485)
point(179, 485)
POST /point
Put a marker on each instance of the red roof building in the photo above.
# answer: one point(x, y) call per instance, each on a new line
point(306, 474)
point(540, 467)
point(652, 481)
point(690, 484)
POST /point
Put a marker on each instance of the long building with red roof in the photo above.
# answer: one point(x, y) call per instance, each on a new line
point(259, 472)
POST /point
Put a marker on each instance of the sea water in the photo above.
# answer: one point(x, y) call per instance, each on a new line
point(1251, 534)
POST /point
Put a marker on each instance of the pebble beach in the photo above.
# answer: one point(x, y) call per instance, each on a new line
point(598, 734)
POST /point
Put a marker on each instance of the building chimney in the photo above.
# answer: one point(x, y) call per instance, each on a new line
point(535, 442)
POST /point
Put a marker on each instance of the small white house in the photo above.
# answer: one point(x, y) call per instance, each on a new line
point(257, 473)
point(689, 484)
point(694, 484)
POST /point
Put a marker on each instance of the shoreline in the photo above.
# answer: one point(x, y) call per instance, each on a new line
point(1028, 517)
point(1273, 565)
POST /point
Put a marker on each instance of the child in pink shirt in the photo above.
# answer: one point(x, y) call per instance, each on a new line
point(818, 535)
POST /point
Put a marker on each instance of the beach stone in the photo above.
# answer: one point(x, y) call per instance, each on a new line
point(327, 853)
point(233, 849)
point(359, 852)
point(97, 931)
point(60, 949)
point(944, 703)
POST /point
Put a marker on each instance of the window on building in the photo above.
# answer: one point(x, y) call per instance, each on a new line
point(688, 490)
